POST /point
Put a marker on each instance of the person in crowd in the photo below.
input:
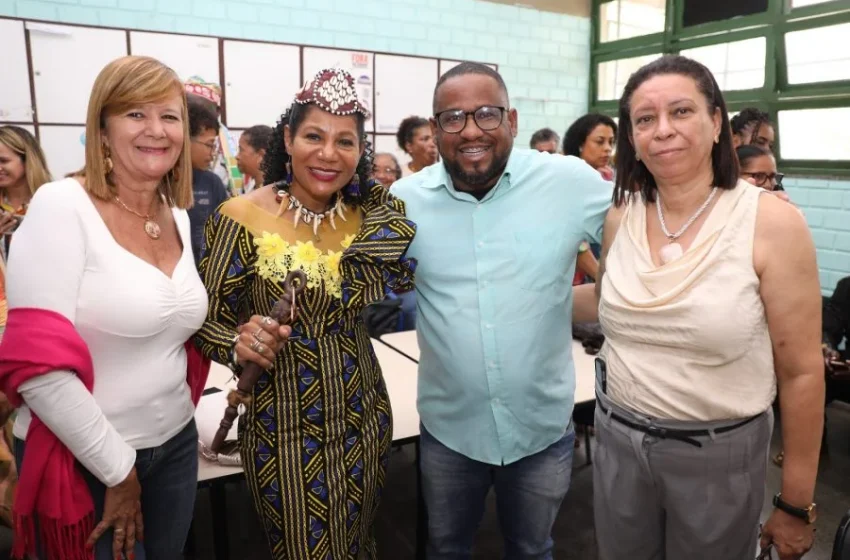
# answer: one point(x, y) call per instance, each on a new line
point(758, 167)
point(545, 140)
point(387, 170)
point(415, 138)
point(752, 126)
point(498, 231)
point(103, 297)
point(253, 144)
point(709, 302)
point(23, 169)
point(225, 164)
point(208, 192)
point(592, 138)
point(316, 435)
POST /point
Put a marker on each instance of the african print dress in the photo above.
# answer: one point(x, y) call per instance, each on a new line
point(316, 438)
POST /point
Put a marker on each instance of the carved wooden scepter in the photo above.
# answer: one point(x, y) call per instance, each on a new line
point(284, 313)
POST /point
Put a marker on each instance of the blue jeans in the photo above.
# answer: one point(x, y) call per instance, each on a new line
point(529, 493)
point(168, 475)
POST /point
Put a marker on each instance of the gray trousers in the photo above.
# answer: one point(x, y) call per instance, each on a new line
point(662, 499)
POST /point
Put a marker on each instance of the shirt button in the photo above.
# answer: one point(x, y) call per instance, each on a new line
point(489, 327)
point(492, 365)
point(497, 402)
point(480, 244)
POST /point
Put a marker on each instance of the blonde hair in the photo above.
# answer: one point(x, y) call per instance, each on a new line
point(125, 83)
point(20, 141)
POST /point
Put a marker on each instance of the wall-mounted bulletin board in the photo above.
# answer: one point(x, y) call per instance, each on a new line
point(48, 71)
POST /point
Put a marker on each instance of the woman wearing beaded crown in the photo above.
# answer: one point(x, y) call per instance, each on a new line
point(316, 436)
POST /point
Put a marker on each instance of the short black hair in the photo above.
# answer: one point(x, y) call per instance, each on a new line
point(258, 136)
point(748, 152)
point(465, 68)
point(543, 135)
point(578, 132)
point(276, 158)
point(631, 173)
point(750, 116)
point(201, 116)
point(407, 129)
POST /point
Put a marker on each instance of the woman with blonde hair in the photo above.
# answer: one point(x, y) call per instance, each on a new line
point(23, 169)
point(102, 285)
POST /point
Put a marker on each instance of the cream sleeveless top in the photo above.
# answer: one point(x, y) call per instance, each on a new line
point(688, 340)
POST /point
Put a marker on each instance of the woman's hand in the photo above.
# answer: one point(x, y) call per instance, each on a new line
point(259, 341)
point(122, 510)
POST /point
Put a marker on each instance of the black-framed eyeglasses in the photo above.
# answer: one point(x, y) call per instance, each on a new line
point(763, 179)
point(487, 118)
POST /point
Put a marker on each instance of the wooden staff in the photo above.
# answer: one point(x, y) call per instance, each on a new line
point(284, 313)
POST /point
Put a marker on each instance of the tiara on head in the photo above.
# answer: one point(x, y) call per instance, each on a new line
point(333, 90)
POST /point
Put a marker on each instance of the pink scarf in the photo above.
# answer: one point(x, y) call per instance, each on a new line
point(50, 487)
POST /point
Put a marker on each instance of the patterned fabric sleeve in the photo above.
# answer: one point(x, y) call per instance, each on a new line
point(375, 264)
point(224, 271)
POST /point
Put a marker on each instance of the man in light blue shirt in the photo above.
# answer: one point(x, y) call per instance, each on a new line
point(498, 231)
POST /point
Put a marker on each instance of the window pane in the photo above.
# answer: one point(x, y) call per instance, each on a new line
point(738, 65)
point(622, 19)
point(613, 75)
point(802, 138)
point(814, 55)
point(703, 11)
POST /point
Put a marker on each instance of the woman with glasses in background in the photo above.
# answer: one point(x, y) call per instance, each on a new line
point(386, 169)
point(758, 166)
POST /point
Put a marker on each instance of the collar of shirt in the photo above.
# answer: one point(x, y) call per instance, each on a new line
point(444, 181)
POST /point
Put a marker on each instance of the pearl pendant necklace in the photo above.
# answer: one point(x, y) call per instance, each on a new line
point(673, 251)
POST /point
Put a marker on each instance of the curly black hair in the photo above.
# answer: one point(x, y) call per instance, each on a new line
point(578, 132)
point(276, 158)
point(747, 117)
point(406, 129)
point(201, 116)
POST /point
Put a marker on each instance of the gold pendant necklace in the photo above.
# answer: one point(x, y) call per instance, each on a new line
point(151, 226)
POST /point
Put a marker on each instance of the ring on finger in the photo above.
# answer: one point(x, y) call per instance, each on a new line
point(257, 335)
point(257, 347)
point(267, 321)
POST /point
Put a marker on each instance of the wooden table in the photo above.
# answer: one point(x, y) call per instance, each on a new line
point(400, 376)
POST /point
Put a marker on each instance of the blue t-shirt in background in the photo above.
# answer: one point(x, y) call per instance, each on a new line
point(209, 193)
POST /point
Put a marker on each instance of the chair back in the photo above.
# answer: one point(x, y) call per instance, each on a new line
point(841, 548)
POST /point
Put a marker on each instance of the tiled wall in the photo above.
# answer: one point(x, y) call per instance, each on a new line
point(826, 205)
point(543, 57)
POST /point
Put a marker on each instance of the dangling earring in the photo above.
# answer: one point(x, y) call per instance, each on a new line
point(717, 139)
point(637, 156)
point(352, 189)
point(107, 160)
point(288, 179)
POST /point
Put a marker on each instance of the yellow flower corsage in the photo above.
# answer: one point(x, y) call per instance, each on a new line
point(276, 257)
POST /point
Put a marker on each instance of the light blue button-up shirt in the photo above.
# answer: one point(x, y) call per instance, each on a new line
point(494, 301)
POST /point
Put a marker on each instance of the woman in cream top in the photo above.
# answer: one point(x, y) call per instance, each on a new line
point(709, 301)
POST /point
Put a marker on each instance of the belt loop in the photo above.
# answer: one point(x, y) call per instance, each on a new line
point(609, 412)
point(712, 435)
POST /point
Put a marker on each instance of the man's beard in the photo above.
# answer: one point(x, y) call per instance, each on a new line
point(476, 179)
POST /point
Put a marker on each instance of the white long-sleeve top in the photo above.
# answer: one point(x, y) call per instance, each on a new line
point(134, 319)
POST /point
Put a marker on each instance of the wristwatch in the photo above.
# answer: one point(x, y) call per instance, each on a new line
point(808, 514)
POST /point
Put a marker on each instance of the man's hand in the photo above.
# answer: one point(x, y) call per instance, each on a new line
point(791, 537)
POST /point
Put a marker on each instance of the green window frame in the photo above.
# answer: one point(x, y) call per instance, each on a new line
point(776, 94)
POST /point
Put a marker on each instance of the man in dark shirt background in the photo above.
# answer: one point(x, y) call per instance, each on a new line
point(208, 190)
